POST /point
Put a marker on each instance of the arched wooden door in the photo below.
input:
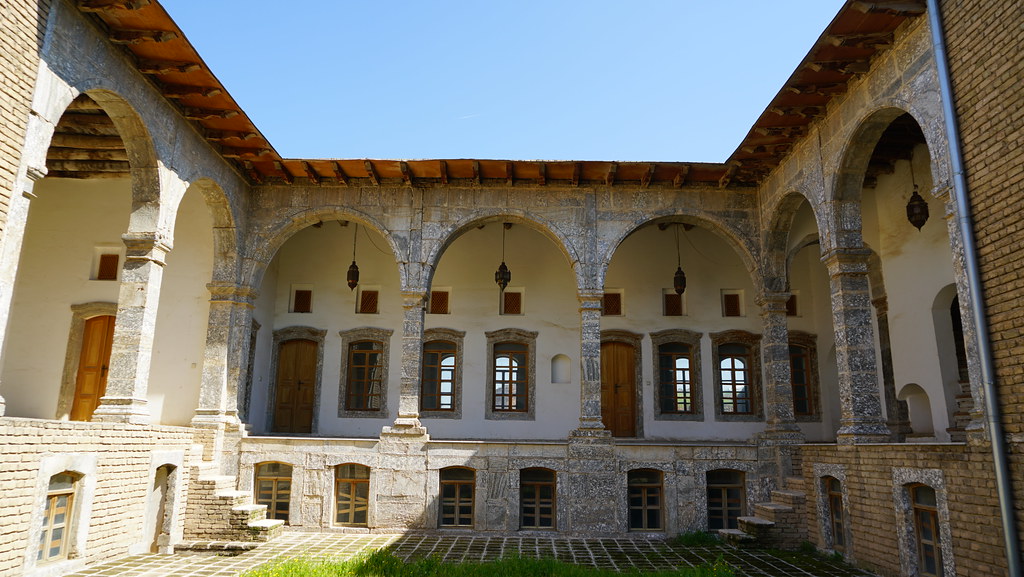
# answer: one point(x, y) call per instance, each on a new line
point(93, 366)
point(295, 400)
point(618, 388)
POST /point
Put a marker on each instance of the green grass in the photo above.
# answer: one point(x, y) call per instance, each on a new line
point(697, 539)
point(382, 563)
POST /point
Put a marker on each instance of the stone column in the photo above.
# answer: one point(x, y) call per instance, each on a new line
point(217, 411)
point(778, 386)
point(590, 365)
point(895, 409)
point(132, 350)
point(408, 420)
point(861, 420)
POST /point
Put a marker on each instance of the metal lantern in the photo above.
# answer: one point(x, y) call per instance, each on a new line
point(353, 269)
point(679, 281)
point(917, 210)
point(502, 276)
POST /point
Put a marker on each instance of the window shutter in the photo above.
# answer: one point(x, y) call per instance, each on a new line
point(108, 267)
point(513, 303)
point(611, 304)
point(303, 301)
point(438, 302)
point(673, 305)
point(731, 305)
point(368, 302)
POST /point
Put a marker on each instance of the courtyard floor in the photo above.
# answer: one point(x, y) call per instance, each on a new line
point(621, 554)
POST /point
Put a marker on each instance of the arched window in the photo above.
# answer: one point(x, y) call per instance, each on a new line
point(735, 379)
point(926, 530)
point(537, 499)
point(675, 378)
point(645, 500)
point(351, 494)
point(437, 385)
point(57, 517)
point(511, 380)
point(457, 495)
point(274, 489)
point(725, 498)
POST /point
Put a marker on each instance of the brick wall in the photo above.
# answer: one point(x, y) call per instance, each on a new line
point(987, 63)
point(123, 461)
point(970, 491)
point(22, 23)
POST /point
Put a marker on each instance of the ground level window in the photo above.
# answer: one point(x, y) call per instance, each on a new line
point(351, 494)
point(926, 530)
point(274, 489)
point(836, 517)
point(457, 488)
point(57, 510)
point(645, 500)
point(537, 499)
point(725, 498)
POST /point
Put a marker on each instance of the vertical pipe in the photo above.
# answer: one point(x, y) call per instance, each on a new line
point(999, 458)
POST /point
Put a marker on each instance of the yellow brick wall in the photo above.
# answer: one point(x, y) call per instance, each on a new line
point(986, 62)
point(22, 24)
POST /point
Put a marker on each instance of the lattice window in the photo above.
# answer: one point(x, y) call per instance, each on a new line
point(675, 378)
point(673, 304)
point(611, 304)
point(511, 377)
point(437, 385)
point(302, 301)
point(108, 267)
point(439, 302)
point(732, 304)
point(512, 303)
point(368, 302)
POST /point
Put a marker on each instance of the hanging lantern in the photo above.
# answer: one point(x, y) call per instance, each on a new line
point(678, 279)
point(917, 210)
point(502, 276)
point(353, 269)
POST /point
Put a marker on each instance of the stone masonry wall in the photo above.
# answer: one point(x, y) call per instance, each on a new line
point(872, 517)
point(22, 23)
point(986, 63)
point(123, 457)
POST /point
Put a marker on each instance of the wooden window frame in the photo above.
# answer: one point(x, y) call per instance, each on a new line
point(50, 525)
point(273, 503)
point(926, 516)
point(833, 490)
point(364, 393)
point(348, 486)
point(808, 343)
point(752, 369)
point(457, 500)
point(663, 392)
point(724, 510)
point(525, 345)
point(347, 390)
point(640, 496)
point(535, 506)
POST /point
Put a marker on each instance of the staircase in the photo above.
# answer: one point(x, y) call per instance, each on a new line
point(780, 523)
point(218, 512)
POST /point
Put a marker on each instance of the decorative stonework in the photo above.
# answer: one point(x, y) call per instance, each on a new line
point(828, 538)
point(902, 479)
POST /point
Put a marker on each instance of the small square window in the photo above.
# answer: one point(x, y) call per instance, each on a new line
point(512, 302)
point(439, 301)
point(368, 302)
point(302, 301)
point(732, 303)
point(611, 304)
point(673, 304)
point(108, 266)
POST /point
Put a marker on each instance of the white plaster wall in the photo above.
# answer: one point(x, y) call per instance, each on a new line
point(916, 266)
point(66, 222)
point(263, 313)
point(643, 266)
point(550, 307)
point(183, 315)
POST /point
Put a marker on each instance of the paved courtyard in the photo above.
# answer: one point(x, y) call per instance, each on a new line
point(622, 554)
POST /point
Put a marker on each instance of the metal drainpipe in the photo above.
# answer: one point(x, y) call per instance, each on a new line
point(1003, 483)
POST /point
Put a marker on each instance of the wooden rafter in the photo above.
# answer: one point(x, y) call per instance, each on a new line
point(476, 172)
point(406, 172)
point(56, 153)
point(311, 173)
point(339, 172)
point(645, 178)
point(577, 171)
point(729, 173)
point(891, 7)
point(680, 178)
point(371, 172)
point(254, 174)
point(185, 91)
point(443, 168)
point(149, 66)
point(609, 178)
point(220, 135)
point(141, 36)
point(88, 165)
point(509, 173)
point(196, 113)
point(89, 141)
point(542, 169)
point(284, 171)
point(104, 5)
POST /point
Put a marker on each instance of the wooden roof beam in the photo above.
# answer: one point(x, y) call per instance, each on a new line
point(56, 153)
point(406, 172)
point(185, 91)
point(149, 66)
point(542, 170)
point(509, 173)
point(196, 113)
point(850, 67)
point(104, 5)
point(645, 178)
point(284, 171)
point(577, 170)
point(339, 172)
point(729, 173)
point(824, 89)
point(87, 141)
point(89, 165)
point(84, 104)
point(902, 7)
point(476, 172)
point(680, 178)
point(371, 172)
point(443, 169)
point(220, 135)
point(861, 40)
point(311, 173)
point(801, 111)
point(141, 36)
point(792, 131)
point(609, 178)
point(254, 174)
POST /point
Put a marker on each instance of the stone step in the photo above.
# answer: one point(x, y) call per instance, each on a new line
point(771, 511)
point(794, 484)
point(737, 538)
point(265, 529)
point(787, 497)
point(243, 515)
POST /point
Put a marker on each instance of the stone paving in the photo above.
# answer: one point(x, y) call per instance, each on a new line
point(619, 554)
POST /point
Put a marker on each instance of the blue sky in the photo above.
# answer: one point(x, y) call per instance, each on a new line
point(646, 80)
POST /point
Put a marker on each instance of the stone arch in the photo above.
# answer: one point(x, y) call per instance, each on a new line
point(261, 248)
point(545, 227)
point(226, 234)
point(732, 237)
point(777, 250)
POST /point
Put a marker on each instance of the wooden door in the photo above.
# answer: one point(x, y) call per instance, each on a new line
point(93, 365)
point(618, 388)
point(296, 387)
